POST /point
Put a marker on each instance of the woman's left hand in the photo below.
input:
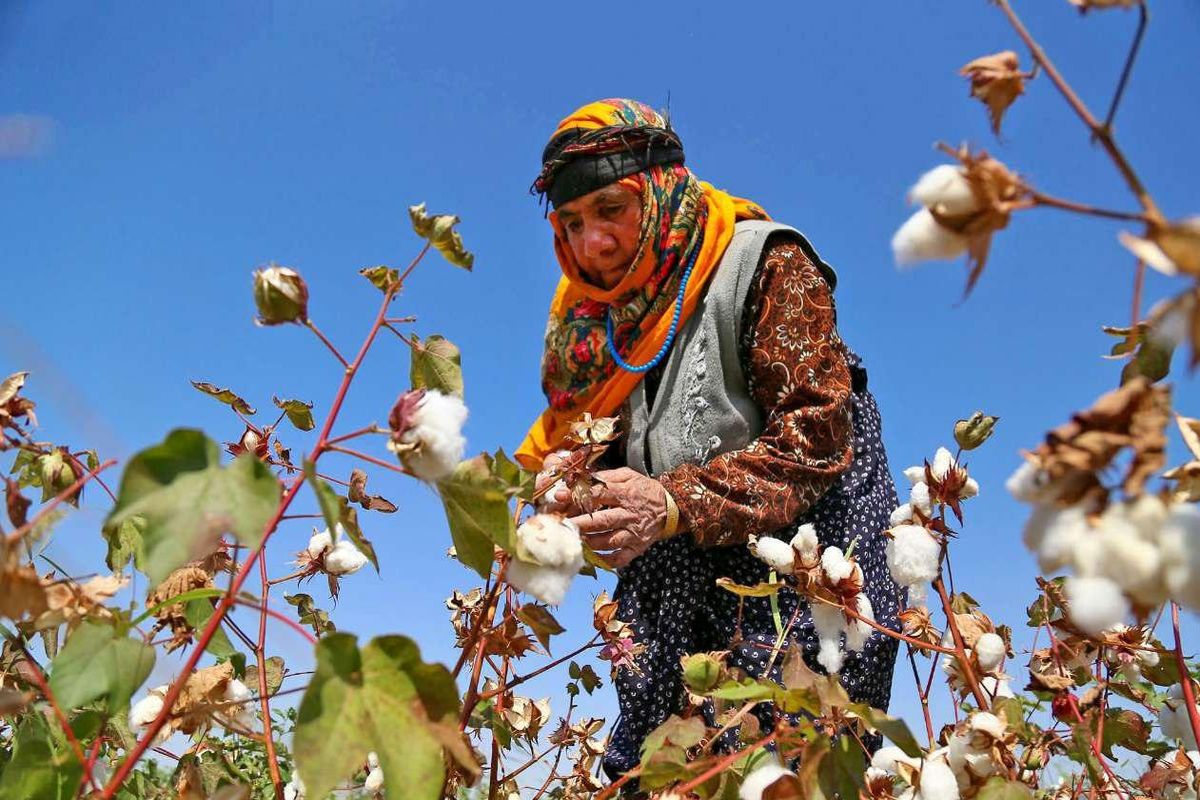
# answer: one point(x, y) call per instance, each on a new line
point(630, 514)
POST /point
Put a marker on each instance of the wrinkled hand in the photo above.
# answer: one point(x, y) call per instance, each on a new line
point(630, 514)
point(549, 502)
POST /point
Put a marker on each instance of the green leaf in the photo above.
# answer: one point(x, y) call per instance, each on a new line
point(298, 412)
point(1001, 788)
point(98, 662)
point(381, 698)
point(198, 611)
point(182, 597)
point(439, 230)
point(436, 364)
point(188, 500)
point(337, 513)
point(226, 396)
point(841, 771)
point(124, 543)
point(520, 480)
point(381, 277)
point(42, 766)
point(749, 689)
point(894, 729)
point(476, 504)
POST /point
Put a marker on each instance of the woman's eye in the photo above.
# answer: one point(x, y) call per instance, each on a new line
point(574, 226)
point(612, 211)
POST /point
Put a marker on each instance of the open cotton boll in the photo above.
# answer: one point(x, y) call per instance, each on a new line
point(757, 782)
point(374, 780)
point(915, 474)
point(912, 555)
point(344, 559)
point(970, 488)
point(320, 542)
point(918, 498)
point(936, 782)
point(942, 463)
point(1174, 720)
point(1181, 554)
point(1134, 563)
point(436, 429)
point(241, 715)
point(922, 238)
point(828, 622)
point(1095, 604)
point(886, 758)
point(996, 687)
point(554, 543)
point(1054, 534)
point(989, 651)
point(857, 631)
point(805, 540)
point(945, 188)
point(1030, 484)
point(146, 710)
point(901, 516)
point(775, 553)
point(836, 566)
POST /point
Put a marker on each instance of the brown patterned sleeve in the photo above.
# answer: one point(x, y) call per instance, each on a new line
point(798, 375)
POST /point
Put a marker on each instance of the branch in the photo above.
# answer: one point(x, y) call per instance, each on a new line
point(16, 535)
point(312, 326)
point(1185, 677)
point(265, 700)
point(1143, 19)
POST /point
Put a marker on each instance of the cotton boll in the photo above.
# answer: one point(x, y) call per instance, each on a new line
point(1030, 484)
point(1134, 563)
point(912, 555)
point(240, 715)
point(436, 429)
point(1052, 533)
point(919, 498)
point(146, 710)
point(805, 540)
point(374, 782)
point(886, 758)
point(775, 553)
point(996, 688)
point(989, 651)
point(828, 622)
point(829, 655)
point(970, 488)
point(547, 584)
point(988, 723)
point(320, 543)
point(945, 188)
point(942, 463)
point(757, 782)
point(1095, 604)
point(901, 516)
point(552, 541)
point(921, 238)
point(344, 559)
point(837, 567)
point(372, 760)
point(858, 631)
point(1181, 555)
point(937, 782)
point(915, 474)
point(1174, 720)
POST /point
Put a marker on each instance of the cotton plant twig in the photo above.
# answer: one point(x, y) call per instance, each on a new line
point(14, 537)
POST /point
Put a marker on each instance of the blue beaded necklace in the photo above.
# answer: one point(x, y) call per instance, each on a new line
point(662, 351)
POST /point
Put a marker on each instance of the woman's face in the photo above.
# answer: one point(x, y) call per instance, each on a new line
point(603, 229)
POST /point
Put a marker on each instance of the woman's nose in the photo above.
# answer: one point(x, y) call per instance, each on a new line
point(598, 242)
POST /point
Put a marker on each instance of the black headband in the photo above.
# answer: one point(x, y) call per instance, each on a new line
point(579, 161)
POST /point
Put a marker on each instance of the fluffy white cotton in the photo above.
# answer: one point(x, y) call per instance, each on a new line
point(757, 781)
point(989, 651)
point(374, 781)
point(1053, 534)
point(942, 463)
point(901, 516)
point(1173, 718)
point(915, 474)
point(856, 630)
point(921, 238)
point(987, 722)
point(828, 622)
point(918, 498)
point(918, 594)
point(1095, 603)
point(886, 758)
point(805, 540)
point(1181, 555)
point(1127, 557)
point(145, 711)
point(1030, 484)
point(912, 555)
point(344, 558)
point(937, 782)
point(554, 545)
point(294, 789)
point(1171, 326)
point(775, 553)
point(836, 566)
point(241, 715)
point(320, 543)
point(996, 687)
point(944, 188)
point(970, 488)
point(436, 427)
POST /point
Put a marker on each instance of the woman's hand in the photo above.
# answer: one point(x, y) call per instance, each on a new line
point(549, 498)
point(630, 515)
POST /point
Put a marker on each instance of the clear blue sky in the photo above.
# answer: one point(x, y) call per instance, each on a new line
point(191, 143)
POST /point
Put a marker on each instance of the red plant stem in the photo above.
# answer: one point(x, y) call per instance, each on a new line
point(35, 674)
point(291, 623)
point(483, 621)
point(1185, 677)
point(263, 694)
point(229, 598)
point(1042, 199)
point(494, 772)
point(372, 428)
point(16, 535)
point(716, 769)
point(337, 354)
point(960, 650)
point(79, 466)
point(300, 573)
point(1101, 132)
point(1074, 703)
point(912, 659)
point(853, 614)
point(370, 459)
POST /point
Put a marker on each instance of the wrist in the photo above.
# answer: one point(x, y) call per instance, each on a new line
point(672, 525)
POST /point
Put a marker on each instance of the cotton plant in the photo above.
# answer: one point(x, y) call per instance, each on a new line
point(832, 580)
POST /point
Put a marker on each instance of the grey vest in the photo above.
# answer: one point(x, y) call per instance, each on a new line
point(703, 406)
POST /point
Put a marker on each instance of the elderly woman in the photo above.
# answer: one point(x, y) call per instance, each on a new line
point(711, 331)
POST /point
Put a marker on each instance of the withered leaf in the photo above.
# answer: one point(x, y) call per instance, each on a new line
point(381, 277)
point(226, 396)
point(358, 494)
point(541, 622)
point(16, 503)
point(298, 412)
point(997, 80)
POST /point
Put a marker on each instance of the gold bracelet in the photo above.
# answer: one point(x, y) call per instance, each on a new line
point(672, 526)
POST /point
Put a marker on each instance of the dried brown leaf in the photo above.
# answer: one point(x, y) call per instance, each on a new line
point(997, 80)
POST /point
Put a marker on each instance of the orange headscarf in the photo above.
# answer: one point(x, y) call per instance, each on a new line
point(680, 213)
